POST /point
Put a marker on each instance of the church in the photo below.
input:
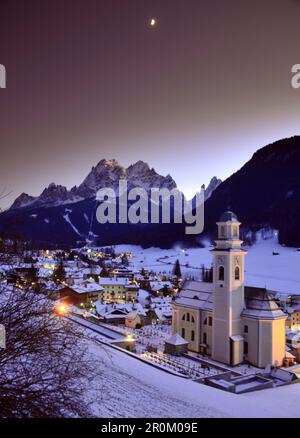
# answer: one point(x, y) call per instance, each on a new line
point(225, 319)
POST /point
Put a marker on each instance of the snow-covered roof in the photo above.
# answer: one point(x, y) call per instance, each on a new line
point(196, 294)
point(176, 339)
point(119, 281)
point(260, 304)
point(158, 285)
point(86, 286)
point(132, 315)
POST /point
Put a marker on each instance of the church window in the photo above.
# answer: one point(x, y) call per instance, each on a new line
point(183, 332)
point(210, 321)
point(188, 317)
point(192, 335)
point(237, 273)
point(192, 319)
point(221, 273)
point(183, 318)
point(205, 321)
point(235, 231)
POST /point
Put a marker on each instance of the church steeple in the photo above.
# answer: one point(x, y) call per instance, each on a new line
point(228, 231)
point(228, 265)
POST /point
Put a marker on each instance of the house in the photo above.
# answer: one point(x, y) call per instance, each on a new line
point(123, 272)
point(81, 292)
point(134, 320)
point(225, 319)
point(293, 312)
point(118, 290)
point(112, 313)
point(160, 287)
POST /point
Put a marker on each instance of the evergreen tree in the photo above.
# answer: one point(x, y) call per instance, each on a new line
point(60, 273)
point(176, 269)
point(104, 273)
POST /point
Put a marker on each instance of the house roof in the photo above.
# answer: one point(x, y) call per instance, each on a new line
point(176, 339)
point(85, 286)
point(132, 315)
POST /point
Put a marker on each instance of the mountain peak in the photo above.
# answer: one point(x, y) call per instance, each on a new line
point(108, 163)
point(106, 173)
point(23, 200)
point(212, 186)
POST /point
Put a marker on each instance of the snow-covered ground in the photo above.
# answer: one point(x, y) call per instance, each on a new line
point(280, 273)
point(130, 388)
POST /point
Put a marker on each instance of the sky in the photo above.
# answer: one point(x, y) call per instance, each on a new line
point(195, 96)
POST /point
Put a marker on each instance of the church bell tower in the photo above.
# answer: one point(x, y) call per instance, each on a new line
point(228, 291)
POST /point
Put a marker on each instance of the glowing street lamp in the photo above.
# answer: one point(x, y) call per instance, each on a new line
point(62, 309)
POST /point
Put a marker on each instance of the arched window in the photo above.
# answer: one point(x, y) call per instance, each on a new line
point(221, 273)
point(192, 319)
point(188, 317)
point(183, 318)
point(237, 273)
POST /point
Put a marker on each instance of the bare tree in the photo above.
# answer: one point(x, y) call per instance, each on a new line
point(44, 367)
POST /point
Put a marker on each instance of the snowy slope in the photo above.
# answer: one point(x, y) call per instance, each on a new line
point(262, 269)
point(130, 388)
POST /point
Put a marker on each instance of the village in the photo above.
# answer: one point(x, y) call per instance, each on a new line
point(165, 318)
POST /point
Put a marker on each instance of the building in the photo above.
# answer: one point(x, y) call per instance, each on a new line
point(293, 311)
point(118, 290)
point(225, 319)
point(176, 345)
point(136, 319)
point(81, 292)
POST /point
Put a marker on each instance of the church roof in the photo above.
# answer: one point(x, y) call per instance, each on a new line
point(196, 294)
point(228, 216)
point(260, 304)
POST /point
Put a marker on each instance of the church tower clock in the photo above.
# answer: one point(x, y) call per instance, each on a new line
point(228, 291)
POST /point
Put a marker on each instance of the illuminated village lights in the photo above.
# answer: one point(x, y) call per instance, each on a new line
point(62, 309)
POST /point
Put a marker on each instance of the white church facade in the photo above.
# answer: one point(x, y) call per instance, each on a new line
point(224, 319)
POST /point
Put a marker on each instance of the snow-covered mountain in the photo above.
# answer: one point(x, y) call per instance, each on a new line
point(107, 173)
point(212, 186)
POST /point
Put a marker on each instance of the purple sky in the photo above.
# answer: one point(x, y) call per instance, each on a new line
point(194, 97)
